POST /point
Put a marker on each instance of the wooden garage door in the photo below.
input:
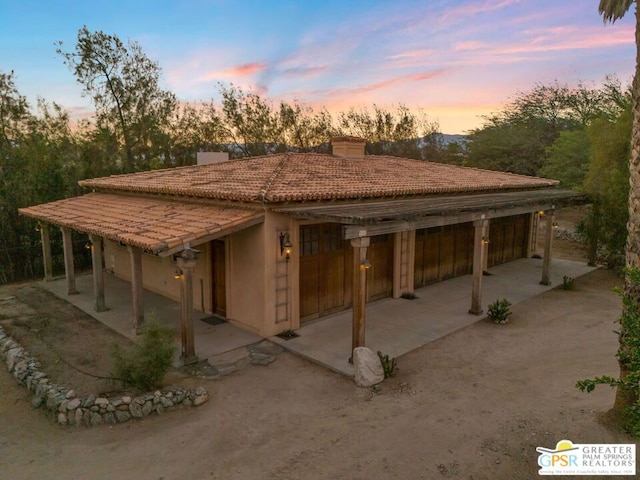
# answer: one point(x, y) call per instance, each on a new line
point(325, 270)
point(442, 253)
point(508, 239)
point(380, 275)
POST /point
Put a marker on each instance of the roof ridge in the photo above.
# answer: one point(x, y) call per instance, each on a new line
point(276, 173)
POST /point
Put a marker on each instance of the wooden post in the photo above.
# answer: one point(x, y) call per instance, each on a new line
point(480, 243)
point(546, 260)
point(137, 303)
point(186, 262)
point(98, 273)
point(359, 292)
point(67, 246)
point(46, 252)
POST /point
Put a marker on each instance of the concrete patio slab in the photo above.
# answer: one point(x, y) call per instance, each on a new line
point(398, 326)
point(210, 340)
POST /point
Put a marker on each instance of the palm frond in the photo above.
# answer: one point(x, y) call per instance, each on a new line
point(612, 10)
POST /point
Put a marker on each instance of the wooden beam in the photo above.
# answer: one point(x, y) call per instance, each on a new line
point(98, 273)
point(69, 269)
point(356, 231)
point(359, 292)
point(137, 303)
point(47, 260)
point(546, 260)
point(480, 245)
point(186, 263)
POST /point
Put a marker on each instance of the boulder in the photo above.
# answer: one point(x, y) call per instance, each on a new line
point(367, 367)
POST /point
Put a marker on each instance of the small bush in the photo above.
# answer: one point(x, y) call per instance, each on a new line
point(146, 363)
point(388, 364)
point(568, 283)
point(499, 311)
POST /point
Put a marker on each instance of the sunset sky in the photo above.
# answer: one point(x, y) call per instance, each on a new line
point(455, 59)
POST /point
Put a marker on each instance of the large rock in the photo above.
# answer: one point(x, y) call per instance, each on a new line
point(367, 367)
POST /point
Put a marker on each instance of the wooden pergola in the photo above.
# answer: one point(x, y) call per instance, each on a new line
point(365, 219)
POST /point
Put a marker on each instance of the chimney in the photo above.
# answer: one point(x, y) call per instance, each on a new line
point(348, 147)
point(205, 158)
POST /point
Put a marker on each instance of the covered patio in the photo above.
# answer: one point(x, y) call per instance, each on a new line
point(393, 326)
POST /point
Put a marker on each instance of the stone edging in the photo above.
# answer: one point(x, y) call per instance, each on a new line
point(91, 411)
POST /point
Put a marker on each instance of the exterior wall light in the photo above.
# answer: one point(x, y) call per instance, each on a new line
point(485, 241)
point(177, 274)
point(554, 225)
point(365, 264)
point(88, 245)
point(285, 245)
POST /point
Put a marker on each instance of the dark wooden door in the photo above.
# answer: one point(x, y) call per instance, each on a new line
point(447, 252)
point(463, 249)
point(427, 258)
point(380, 275)
point(218, 294)
point(325, 270)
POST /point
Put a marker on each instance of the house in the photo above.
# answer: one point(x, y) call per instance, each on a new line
point(274, 241)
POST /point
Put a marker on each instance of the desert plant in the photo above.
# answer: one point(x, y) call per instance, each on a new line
point(287, 334)
point(388, 364)
point(145, 364)
point(409, 296)
point(499, 311)
point(568, 283)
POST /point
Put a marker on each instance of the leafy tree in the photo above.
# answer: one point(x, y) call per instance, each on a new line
point(519, 138)
point(627, 402)
point(399, 132)
point(124, 85)
point(567, 159)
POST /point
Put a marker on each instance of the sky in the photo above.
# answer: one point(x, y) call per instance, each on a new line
point(456, 60)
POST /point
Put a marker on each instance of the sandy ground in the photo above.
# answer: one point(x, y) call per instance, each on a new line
point(472, 405)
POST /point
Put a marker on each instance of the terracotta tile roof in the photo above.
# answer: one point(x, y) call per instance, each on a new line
point(153, 224)
point(298, 177)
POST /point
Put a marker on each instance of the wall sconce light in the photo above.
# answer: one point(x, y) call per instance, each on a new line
point(541, 213)
point(485, 241)
point(88, 245)
point(554, 225)
point(177, 274)
point(38, 227)
point(285, 244)
point(365, 264)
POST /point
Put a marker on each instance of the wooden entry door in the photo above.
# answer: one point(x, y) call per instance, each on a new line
point(325, 270)
point(218, 287)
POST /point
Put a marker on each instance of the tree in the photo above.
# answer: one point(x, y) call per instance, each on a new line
point(519, 138)
point(124, 85)
point(567, 159)
point(627, 403)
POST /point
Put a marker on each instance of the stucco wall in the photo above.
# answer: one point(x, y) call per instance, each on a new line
point(157, 273)
point(245, 278)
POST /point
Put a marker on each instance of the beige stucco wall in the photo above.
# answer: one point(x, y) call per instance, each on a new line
point(245, 278)
point(157, 273)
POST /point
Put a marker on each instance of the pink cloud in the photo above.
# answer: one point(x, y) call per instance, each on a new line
point(246, 69)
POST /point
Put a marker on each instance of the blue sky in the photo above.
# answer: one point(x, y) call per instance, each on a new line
point(455, 59)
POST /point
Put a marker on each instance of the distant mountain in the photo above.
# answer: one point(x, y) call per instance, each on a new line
point(454, 138)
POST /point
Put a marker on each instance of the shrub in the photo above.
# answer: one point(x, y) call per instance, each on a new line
point(388, 364)
point(499, 311)
point(568, 283)
point(145, 365)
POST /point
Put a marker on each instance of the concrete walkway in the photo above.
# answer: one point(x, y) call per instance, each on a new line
point(393, 326)
point(398, 326)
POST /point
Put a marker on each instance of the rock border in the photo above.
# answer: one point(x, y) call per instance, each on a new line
point(69, 409)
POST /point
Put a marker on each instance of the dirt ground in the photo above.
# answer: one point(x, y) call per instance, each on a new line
point(473, 405)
